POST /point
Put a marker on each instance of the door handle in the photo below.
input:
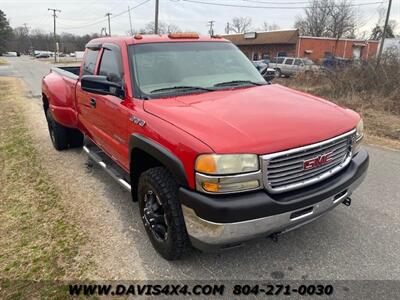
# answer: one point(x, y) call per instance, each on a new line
point(93, 102)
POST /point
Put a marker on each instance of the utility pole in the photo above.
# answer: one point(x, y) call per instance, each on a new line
point(130, 20)
point(156, 17)
point(228, 28)
point(211, 27)
point(55, 11)
point(378, 60)
point(109, 24)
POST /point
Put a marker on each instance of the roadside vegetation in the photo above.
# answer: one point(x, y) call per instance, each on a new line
point(373, 92)
point(39, 239)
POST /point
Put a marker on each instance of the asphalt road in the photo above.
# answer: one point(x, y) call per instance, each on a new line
point(357, 242)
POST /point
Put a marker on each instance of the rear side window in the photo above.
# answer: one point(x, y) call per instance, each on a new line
point(89, 63)
point(289, 61)
point(110, 65)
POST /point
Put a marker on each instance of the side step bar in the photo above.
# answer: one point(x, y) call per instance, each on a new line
point(102, 159)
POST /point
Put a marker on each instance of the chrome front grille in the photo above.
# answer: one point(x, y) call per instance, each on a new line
point(289, 170)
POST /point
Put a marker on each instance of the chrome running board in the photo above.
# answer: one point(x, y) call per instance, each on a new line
point(103, 160)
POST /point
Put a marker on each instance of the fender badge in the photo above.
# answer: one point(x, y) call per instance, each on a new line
point(137, 121)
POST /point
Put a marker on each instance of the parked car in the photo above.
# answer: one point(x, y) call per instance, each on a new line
point(332, 62)
point(10, 54)
point(289, 66)
point(260, 65)
point(42, 55)
point(214, 155)
point(267, 73)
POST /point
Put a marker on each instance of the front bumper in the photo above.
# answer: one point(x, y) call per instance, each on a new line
point(215, 223)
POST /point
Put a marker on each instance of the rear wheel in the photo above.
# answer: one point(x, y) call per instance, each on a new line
point(58, 133)
point(278, 73)
point(161, 213)
point(63, 137)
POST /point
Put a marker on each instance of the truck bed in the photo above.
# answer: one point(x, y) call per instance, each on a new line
point(71, 72)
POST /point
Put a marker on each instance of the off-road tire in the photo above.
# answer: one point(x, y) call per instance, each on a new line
point(63, 137)
point(160, 181)
point(58, 133)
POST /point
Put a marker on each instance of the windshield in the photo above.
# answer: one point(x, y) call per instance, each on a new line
point(174, 68)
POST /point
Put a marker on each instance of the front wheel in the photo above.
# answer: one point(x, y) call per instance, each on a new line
point(278, 73)
point(161, 212)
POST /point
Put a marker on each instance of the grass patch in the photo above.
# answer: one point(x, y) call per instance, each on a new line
point(38, 237)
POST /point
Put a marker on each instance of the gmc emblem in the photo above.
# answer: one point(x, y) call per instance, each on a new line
point(317, 161)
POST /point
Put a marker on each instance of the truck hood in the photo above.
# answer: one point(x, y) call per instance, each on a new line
point(259, 120)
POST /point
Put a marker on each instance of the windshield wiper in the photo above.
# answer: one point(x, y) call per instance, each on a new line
point(182, 87)
point(238, 82)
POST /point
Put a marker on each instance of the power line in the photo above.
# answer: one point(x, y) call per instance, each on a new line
point(275, 2)
point(132, 8)
point(101, 20)
point(268, 7)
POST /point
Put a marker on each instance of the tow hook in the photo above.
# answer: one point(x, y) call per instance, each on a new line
point(347, 201)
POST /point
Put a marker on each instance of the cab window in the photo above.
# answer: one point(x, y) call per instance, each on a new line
point(297, 62)
point(289, 61)
point(110, 65)
point(89, 63)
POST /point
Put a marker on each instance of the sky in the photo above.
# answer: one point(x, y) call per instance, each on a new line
point(88, 16)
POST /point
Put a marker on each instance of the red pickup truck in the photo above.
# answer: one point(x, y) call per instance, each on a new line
point(213, 153)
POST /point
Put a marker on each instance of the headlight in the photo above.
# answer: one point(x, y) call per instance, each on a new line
point(227, 173)
point(226, 163)
point(359, 136)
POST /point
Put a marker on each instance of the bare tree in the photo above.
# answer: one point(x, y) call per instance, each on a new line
point(240, 24)
point(328, 18)
point(268, 27)
point(341, 20)
point(316, 21)
point(163, 28)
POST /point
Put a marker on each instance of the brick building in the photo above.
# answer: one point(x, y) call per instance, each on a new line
point(316, 48)
point(258, 45)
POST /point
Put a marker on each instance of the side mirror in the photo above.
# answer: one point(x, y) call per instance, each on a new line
point(99, 84)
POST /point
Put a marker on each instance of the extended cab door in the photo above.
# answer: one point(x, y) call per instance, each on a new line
point(111, 116)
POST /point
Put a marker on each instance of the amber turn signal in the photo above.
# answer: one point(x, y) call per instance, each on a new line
point(206, 164)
